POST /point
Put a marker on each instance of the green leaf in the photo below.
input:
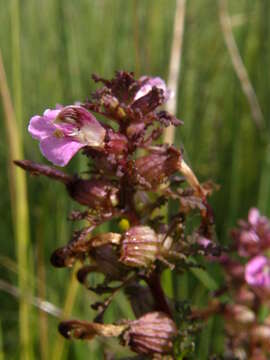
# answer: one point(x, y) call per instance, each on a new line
point(205, 278)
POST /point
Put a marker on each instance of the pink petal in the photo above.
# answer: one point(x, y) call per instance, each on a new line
point(39, 127)
point(145, 89)
point(204, 242)
point(84, 127)
point(92, 135)
point(254, 269)
point(59, 150)
point(149, 83)
point(52, 114)
point(253, 216)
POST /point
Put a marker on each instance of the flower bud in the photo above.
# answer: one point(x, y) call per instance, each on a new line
point(260, 335)
point(239, 314)
point(258, 354)
point(155, 168)
point(139, 247)
point(245, 296)
point(116, 143)
point(235, 271)
point(97, 194)
point(152, 333)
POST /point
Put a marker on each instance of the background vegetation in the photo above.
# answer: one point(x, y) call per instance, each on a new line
point(50, 48)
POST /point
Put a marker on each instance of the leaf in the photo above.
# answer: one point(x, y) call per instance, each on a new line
point(205, 278)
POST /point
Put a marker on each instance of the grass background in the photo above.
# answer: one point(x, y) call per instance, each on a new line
point(50, 48)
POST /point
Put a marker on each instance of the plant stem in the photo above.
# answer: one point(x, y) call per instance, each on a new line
point(158, 294)
point(175, 65)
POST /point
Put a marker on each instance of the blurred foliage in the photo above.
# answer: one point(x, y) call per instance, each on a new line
point(50, 49)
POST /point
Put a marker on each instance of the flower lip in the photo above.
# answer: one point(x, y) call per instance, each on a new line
point(63, 132)
point(257, 272)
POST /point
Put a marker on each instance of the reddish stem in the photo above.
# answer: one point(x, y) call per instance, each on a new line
point(158, 294)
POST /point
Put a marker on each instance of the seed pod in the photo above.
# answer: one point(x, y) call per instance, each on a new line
point(139, 247)
point(245, 296)
point(258, 354)
point(97, 194)
point(152, 333)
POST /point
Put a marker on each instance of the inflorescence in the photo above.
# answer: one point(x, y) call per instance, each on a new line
point(133, 178)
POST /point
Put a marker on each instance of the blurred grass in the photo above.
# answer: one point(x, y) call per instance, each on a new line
point(19, 208)
point(50, 49)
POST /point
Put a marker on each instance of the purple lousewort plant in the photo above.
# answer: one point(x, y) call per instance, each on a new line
point(131, 179)
point(253, 235)
point(247, 288)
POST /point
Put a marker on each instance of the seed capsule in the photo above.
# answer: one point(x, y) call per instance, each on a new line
point(152, 333)
point(158, 166)
point(139, 247)
point(97, 194)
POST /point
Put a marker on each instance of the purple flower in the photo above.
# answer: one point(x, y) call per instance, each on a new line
point(147, 85)
point(254, 216)
point(257, 273)
point(253, 236)
point(204, 242)
point(63, 132)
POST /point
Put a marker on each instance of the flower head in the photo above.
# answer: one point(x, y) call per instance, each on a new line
point(253, 235)
point(63, 132)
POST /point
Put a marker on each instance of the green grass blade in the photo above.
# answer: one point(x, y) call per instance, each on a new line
point(19, 204)
point(205, 278)
point(16, 61)
point(60, 345)
point(2, 356)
